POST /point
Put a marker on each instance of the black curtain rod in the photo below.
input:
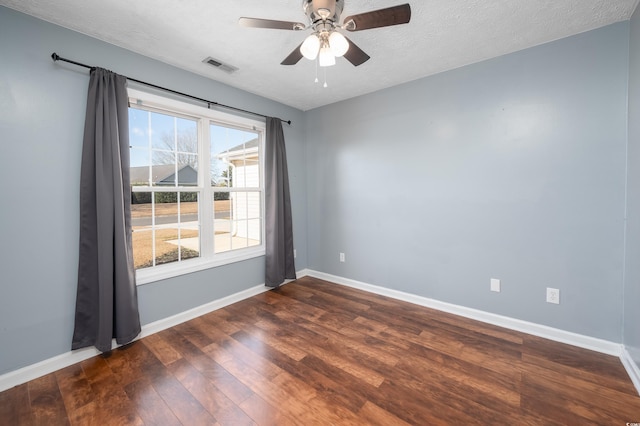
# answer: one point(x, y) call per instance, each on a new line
point(57, 57)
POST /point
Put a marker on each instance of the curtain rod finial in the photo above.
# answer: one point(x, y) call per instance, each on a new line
point(55, 56)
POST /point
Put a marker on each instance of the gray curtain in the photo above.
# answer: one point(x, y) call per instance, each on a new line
point(278, 224)
point(107, 299)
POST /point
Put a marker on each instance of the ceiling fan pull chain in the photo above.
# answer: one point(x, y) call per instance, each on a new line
point(316, 70)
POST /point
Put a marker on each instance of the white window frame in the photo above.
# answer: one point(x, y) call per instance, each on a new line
point(204, 117)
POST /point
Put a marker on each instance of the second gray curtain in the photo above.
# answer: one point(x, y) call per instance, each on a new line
point(278, 222)
point(107, 300)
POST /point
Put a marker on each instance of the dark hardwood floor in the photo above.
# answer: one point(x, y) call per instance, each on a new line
point(314, 352)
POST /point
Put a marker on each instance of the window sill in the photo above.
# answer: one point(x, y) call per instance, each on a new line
point(172, 270)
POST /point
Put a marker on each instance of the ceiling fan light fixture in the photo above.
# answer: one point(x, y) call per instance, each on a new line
point(338, 43)
point(327, 42)
point(326, 58)
point(310, 47)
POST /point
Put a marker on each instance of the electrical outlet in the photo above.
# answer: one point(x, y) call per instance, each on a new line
point(553, 295)
point(341, 257)
point(495, 285)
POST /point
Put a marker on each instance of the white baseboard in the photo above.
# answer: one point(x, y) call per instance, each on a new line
point(303, 273)
point(30, 372)
point(546, 332)
point(33, 371)
point(632, 368)
point(198, 311)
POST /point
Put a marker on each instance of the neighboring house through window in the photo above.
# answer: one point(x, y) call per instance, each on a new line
point(243, 174)
point(186, 217)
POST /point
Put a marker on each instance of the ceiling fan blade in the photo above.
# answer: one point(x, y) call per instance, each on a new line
point(293, 58)
point(355, 55)
point(378, 18)
point(268, 23)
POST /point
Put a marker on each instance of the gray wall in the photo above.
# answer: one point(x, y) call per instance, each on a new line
point(632, 261)
point(41, 123)
point(513, 168)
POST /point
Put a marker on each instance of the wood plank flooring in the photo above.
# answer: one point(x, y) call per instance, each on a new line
point(316, 353)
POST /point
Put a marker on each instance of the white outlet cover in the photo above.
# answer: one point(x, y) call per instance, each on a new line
point(553, 295)
point(495, 285)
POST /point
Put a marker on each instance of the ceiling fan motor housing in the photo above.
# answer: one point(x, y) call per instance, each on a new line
point(323, 10)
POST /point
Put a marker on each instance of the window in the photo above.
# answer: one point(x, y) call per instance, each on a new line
point(196, 187)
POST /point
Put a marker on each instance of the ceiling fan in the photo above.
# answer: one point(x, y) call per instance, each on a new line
point(326, 43)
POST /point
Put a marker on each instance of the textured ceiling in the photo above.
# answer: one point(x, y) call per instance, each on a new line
point(442, 35)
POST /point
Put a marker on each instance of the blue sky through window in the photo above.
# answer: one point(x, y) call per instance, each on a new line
point(148, 129)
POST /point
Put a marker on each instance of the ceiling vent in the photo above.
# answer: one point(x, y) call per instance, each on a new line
point(229, 69)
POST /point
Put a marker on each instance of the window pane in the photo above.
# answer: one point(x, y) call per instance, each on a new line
point(253, 205)
point(184, 172)
point(140, 175)
point(142, 248)
point(239, 239)
point(165, 230)
point(245, 232)
point(187, 169)
point(254, 234)
point(189, 225)
point(164, 149)
point(163, 171)
point(140, 144)
point(222, 207)
point(222, 224)
point(234, 157)
point(142, 237)
point(138, 128)
point(166, 227)
point(176, 235)
point(186, 135)
point(162, 135)
point(238, 221)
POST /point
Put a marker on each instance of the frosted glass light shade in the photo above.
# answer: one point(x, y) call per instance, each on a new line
point(310, 47)
point(327, 57)
point(339, 44)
